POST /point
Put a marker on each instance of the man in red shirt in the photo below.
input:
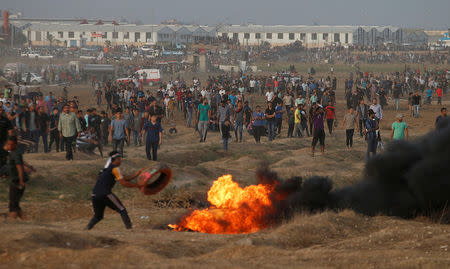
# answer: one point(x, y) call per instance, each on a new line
point(439, 95)
point(331, 116)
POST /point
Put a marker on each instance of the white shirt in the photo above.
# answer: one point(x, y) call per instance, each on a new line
point(269, 96)
point(378, 111)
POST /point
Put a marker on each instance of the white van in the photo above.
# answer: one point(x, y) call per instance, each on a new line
point(151, 76)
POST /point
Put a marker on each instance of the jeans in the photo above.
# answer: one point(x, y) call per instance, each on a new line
point(68, 144)
point(220, 126)
point(225, 143)
point(271, 129)
point(349, 137)
point(305, 127)
point(279, 122)
point(416, 111)
point(372, 143)
point(298, 130)
point(330, 125)
point(238, 128)
point(118, 145)
point(202, 129)
point(396, 103)
point(290, 130)
point(153, 146)
point(361, 126)
point(189, 118)
point(54, 137)
point(136, 138)
point(36, 136)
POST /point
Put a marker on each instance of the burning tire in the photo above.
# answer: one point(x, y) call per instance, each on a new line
point(164, 174)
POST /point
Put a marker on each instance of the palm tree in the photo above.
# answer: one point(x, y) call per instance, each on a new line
point(50, 39)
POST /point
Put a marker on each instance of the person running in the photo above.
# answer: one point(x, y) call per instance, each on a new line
point(102, 195)
point(349, 124)
point(203, 116)
point(318, 131)
point(371, 134)
point(399, 129)
point(153, 130)
point(18, 173)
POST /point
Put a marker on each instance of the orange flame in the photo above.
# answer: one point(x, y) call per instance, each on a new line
point(234, 209)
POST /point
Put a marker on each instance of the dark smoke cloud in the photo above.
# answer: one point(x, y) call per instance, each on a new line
point(407, 179)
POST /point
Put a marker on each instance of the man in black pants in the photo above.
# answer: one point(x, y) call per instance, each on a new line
point(153, 130)
point(17, 172)
point(362, 112)
point(102, 195)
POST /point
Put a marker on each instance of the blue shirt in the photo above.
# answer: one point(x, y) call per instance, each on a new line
point(232, 99)
point(152, 131)
point(429, 93)
point(370, 124)
point(118, 128)
point(279, 113)
point(258, 122)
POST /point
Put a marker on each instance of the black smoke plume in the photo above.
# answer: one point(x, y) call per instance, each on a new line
point(407, 179)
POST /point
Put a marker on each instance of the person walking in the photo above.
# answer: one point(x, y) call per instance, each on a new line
point(371, 134)
point(102, 195)
point(298, 122)
point(270, 118)
point(330, 116)
point(239, 121)
point(18, 174)
point(53, 129)
point(441, 117)
point(318, 131)
point(69, 128)
point(153, 140)
point(203, 116)
point(349, 124)
point(416, 101)
point(226, 133)
point(399, 129)
point(362, 112)
point(278, 117)
point(118, 132)
point(258, 124)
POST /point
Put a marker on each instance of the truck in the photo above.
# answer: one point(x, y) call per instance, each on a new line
point(145, 76)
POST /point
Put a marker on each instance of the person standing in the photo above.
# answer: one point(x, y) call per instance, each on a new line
point(238, 121)
point(439, 95)
point(6, 127)
point(279, 117)
point(318, 131)
point(69, 128)
point(53, 129)
point(153, 139)
point(42, 121)
point(377, 109)
point(270, 118)
point(441, 117)
point(17, 172)
point(399, 129)
point(203, 116)
point(118, 131)
point(298, 121)
point(226, 133)
point(223, 112)
point(258, 124)
point(331, 116)
point(135, 126)
point(102, 195)
point(362, 112)
point(371, 134)
point(291, 121)
point(416, 101)
point(349, 124)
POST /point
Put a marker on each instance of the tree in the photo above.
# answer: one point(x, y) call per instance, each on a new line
point(50, 39)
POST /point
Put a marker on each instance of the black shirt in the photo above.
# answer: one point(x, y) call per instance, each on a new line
point(5, 126)
point(415, 100)
point(14, 159)
point(270, 111)
point(42, 121)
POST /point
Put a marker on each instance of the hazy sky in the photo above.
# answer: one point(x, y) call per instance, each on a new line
point(416, 13)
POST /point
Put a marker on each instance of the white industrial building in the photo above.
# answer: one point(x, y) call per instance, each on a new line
point(77, 32)
point(279, 35)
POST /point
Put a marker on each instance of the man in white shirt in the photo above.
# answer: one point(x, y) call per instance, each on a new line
point(269, 95)
point(377, 109)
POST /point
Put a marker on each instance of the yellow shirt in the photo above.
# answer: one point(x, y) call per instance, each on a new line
point(298, 116)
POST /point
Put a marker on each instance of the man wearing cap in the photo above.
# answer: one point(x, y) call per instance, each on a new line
point(399, 129)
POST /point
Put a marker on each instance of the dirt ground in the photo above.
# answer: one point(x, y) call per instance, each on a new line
point(57, 203)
